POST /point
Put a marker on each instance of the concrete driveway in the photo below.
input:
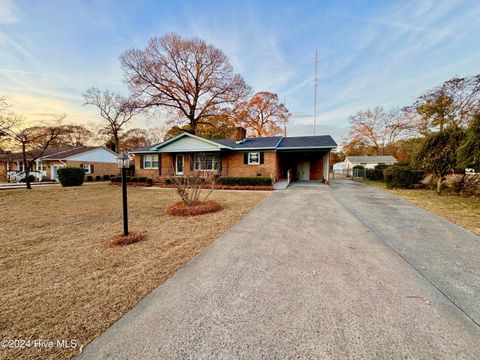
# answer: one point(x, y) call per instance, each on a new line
point(305, 275)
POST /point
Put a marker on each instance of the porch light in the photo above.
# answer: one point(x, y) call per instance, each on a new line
point(123, 163)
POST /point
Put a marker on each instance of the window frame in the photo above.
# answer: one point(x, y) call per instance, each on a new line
point(197, 161)
point(249, 161)
point(153, 158)
point(87, 168)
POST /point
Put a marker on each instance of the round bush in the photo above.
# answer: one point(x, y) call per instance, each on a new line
point(401, 177)
point(71, 176)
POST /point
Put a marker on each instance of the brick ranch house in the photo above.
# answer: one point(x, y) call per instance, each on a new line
point(97, 161)
point(301, 158)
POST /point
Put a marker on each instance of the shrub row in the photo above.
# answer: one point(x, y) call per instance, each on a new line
point(376, 173)
point(100, 178)
point(402, 177)
point(182, 180)
point(132, 179)
point(245, 181)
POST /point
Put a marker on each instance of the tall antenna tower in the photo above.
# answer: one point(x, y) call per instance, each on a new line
point(315, 94)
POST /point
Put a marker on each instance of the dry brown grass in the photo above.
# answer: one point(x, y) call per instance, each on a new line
point(204, 207)
point(60, 280)
point(460, 210)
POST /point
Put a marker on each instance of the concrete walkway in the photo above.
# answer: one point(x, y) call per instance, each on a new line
point(301, 276)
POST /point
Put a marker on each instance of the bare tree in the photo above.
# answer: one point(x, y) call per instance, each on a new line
point(198, 184)
point(453, 103)
point(33, 140)
point(189, 77)
point(114, 109)
point(74, 135)
point(263, 114)
point(376, 128)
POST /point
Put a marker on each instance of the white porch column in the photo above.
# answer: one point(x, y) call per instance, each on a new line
point(326, 167)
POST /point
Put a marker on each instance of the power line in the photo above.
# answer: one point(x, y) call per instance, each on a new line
point(315, 94)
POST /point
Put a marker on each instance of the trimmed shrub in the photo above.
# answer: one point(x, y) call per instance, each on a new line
point(106, 177)
point(149, 181)
point(182, 180)
point(98, 178)
point(358, 167)
point(30, 177)
point(402, 177)
point(376, 173)
point(245, 181)
point(71, 176)
point(89, 178)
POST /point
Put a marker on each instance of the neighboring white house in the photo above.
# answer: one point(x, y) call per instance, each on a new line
point(368, 162)
point(98, 162)
point(339, 167)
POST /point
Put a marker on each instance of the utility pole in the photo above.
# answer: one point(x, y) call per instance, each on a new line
point(315, 95)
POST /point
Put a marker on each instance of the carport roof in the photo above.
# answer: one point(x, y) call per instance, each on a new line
point(320, 141)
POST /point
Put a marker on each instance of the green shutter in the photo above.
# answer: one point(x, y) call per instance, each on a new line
point(261, 158)
point(245, 158)
point(159, 164)
point(141, 161)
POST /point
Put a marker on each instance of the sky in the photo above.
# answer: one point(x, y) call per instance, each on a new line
point(370, 53)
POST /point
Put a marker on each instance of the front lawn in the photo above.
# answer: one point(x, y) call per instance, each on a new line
point(463, 211)
point(60, 281)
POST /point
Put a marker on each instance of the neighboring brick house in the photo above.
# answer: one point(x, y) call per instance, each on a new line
point(97, 161)
point(304, 157)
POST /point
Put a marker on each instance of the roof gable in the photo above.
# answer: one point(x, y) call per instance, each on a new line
point(99, 154)
point(187, 142)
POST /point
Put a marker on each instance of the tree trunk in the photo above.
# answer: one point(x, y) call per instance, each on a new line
point(26, 167)
point(193, 126)
point(117, 143)
point(439, 185)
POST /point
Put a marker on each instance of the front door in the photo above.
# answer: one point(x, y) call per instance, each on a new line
point(179, 165)
point(54, 171)
point(303, 168)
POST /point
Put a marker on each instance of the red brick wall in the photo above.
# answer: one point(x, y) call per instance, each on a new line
point(232, 165)
point(99, 168)
point(316, 167)
point(3, 172)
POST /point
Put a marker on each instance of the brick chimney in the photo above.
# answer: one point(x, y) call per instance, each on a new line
point(110, 146)
point(240, 134)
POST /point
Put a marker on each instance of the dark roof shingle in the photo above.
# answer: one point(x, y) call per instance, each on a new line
point(271, 142)
point(307, 142)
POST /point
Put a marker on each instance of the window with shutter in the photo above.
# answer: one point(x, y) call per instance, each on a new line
point(253, 158)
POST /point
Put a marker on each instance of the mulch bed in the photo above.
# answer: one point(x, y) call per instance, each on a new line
point(120, 239)
point(204, 207)
point(222, 187)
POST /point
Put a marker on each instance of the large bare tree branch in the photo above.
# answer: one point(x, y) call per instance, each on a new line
point(188, 76)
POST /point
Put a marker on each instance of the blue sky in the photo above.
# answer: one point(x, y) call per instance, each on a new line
point(370, 52)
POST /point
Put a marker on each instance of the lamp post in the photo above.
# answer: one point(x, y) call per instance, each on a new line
point(123, 163)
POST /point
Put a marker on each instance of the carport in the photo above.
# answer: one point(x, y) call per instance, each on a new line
point(304, 165)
